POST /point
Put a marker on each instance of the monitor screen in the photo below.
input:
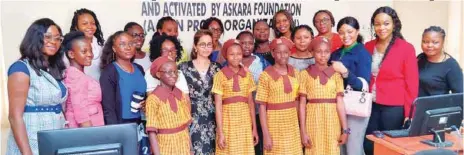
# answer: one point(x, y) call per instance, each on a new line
point(107, 140)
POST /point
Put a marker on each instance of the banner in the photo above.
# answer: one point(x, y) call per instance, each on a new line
point(235, 16)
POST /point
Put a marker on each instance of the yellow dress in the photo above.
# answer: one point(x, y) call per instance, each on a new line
point(236, 116)
point(170, 125)
point(322, 123)
point(282, 123)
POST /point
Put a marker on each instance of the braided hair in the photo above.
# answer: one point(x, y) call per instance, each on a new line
point(435, 29)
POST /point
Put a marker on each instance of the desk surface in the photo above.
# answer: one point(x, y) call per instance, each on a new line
point(411, 145)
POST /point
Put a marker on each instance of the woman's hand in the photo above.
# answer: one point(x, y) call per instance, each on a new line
point(339, 67)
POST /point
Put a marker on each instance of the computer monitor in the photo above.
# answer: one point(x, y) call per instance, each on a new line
point(434, 114)
point(118, 139)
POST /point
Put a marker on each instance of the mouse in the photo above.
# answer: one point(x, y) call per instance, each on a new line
point(378, 134)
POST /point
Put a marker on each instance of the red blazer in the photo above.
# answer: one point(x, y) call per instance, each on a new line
point(398, 79)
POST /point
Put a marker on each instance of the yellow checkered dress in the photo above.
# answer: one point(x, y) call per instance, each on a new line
point(160, 116)
point(237, 125)
point(322, 122)
point(283, 124)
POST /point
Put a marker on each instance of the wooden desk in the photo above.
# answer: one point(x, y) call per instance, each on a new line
point(408, 145)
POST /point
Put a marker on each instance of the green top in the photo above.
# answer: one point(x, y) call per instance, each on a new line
point(347, 49)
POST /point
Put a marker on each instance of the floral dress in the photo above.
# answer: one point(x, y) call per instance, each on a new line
point(203, 127)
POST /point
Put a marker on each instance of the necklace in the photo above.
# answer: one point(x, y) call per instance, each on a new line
point(130, 70)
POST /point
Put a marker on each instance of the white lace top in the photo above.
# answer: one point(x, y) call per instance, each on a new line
point(376, 59)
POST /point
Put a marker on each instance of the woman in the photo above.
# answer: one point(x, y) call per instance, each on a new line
point(302, 58)
point(164, 45)
point(83, 106)
point(352, 61)
point(86, 21)
point(276, 94)
point(122, 83)
point(282, 23)
point(121, 80)
point(199, 74)
point(394, 81)
point(261, 31)
point(136, 31)
point(235, 108)
point(323, 20)
point(321, 108)
point(214, 25)
point(35, 88)
point(439, 73)
point(168, 26)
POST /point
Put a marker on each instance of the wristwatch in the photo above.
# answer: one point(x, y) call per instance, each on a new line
point(347, 131)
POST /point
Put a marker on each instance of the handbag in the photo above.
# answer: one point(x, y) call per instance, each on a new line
point(358, 103)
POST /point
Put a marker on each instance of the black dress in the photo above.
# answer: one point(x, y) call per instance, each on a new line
point(203, 128)
point(439, 78)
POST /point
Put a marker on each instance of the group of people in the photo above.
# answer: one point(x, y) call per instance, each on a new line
point(248, 95)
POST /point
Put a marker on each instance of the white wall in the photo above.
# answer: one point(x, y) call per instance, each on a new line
point(16, 16)
point(113, 14)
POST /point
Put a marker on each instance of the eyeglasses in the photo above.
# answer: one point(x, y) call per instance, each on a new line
point(170, 72)
point(206, 45)
point(140, 35)
point(323, 21)
point(169, 50)
point(48, 37)
point(217, 30)
point(124, 44)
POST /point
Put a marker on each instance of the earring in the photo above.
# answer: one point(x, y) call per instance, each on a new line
point(113, 56)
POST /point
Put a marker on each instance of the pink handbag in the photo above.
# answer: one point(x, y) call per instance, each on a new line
point(358, 103)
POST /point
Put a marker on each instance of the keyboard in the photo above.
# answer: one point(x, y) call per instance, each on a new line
point(397, 133)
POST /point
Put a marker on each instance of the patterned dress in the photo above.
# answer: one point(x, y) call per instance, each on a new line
point(43, 91)
point(170, 124)
point(321, 87)
point(282, 118)
point(236, 118)
point(203, 128)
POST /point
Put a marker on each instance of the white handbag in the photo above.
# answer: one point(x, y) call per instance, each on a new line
point(358, 103)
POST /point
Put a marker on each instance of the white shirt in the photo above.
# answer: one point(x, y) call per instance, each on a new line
point(152, 82)
point(144, 62)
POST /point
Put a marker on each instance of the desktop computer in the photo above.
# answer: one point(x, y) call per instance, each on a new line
point(433, 115)
point(118, 139)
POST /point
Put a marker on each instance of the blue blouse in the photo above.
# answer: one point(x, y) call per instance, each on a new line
point(357, 61)
point(130, 84)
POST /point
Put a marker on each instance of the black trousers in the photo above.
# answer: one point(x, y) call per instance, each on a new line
point(383, 118)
